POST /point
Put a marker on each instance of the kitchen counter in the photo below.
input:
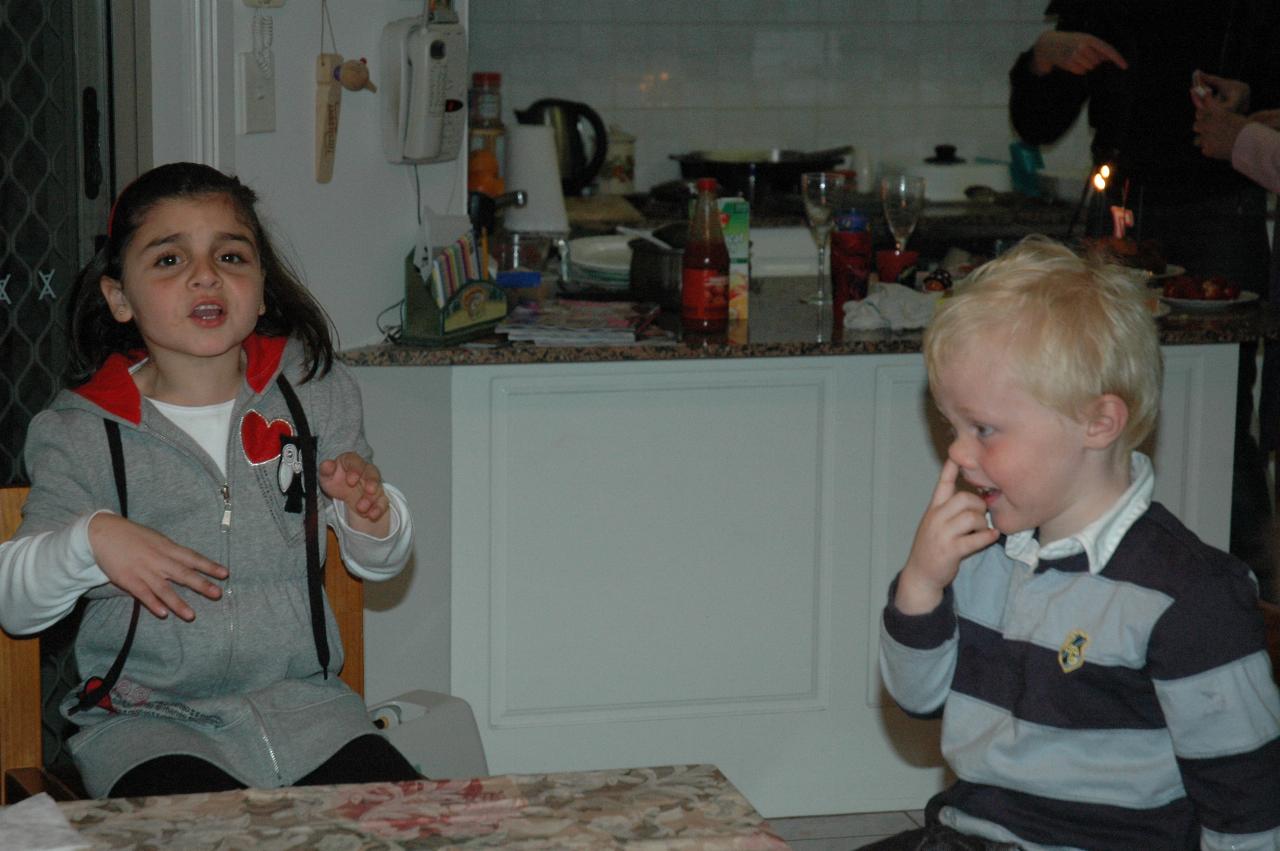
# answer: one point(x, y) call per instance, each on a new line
point(781, 326)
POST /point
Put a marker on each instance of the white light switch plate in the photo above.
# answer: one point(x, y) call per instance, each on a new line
point(255, 95)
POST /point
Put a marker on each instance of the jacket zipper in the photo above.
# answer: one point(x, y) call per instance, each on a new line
point(266, 740)
point(262, 727)
point(227, 590)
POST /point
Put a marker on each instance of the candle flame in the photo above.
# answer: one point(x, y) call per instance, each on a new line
point(1105, 171)
point(1099, 181)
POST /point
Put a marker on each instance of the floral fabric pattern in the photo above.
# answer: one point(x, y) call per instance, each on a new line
point(670, 807)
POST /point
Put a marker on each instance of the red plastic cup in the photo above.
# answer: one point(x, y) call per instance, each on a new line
point(895, 266)
point(850, 266)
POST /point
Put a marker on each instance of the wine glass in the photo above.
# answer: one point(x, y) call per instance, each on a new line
point(903, 200)
point(821, 190)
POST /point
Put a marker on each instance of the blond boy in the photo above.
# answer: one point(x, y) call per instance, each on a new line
point(1101, 672)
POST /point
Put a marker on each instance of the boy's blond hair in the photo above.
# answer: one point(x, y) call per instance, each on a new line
point(1076, 328)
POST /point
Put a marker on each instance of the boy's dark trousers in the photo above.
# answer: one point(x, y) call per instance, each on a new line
point(936, 838)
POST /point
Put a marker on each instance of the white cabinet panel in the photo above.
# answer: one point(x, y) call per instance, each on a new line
point(648, 560)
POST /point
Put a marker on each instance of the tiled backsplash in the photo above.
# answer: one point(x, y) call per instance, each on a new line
point(891, 77)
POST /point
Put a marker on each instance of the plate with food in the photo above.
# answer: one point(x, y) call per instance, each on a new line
point(1206, 305)
point(1203, 293)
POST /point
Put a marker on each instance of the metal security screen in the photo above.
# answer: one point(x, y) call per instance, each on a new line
point(52, 194)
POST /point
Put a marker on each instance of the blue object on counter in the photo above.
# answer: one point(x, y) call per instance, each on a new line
point(851, 221)
point(518, 278)
point(1025, 162)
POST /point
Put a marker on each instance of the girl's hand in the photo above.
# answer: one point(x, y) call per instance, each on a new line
point(1074, 52)
point(358, 483)
point(147, 565)
point(954, 526)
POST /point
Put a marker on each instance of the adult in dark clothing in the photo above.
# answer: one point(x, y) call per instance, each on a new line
point(1132, 61)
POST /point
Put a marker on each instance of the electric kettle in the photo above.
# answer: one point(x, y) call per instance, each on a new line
point(580, 137)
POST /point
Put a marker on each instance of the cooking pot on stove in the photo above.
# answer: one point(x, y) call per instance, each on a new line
point(581, 139)
point(757, 173)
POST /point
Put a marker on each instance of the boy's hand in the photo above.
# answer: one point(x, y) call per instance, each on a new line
point(954, 526)
point(147, 565)
point(358, 483)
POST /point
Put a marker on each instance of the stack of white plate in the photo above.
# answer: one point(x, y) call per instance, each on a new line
point(600, 261)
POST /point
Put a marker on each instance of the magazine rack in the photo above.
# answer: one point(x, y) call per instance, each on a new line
point(470, 312)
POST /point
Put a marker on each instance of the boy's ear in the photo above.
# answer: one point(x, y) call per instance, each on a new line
point(113, 292)
point(1105, 420)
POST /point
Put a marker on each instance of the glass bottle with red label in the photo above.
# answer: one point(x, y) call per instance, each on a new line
point(704, 281)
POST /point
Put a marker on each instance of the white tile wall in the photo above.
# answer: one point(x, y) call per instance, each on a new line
point(891, 77)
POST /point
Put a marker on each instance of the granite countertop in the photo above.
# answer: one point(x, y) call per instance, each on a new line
point(782, 326)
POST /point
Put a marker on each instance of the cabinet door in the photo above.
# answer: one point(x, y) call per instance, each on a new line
point(669, 563)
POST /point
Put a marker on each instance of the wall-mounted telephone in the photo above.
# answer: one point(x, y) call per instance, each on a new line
point(424, 65)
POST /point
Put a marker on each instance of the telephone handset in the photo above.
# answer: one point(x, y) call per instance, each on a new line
point(424, 65)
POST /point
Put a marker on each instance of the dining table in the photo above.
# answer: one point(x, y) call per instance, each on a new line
point(673, 806)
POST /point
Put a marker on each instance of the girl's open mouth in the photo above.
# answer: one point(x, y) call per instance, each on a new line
point(209, 312)
point(989, 495)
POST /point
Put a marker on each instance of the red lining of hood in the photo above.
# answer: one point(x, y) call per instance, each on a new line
point(112, 389)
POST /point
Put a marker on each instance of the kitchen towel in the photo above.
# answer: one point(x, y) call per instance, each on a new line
point(892, 307)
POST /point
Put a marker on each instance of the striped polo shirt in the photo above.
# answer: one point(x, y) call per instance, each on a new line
point(1110, 690)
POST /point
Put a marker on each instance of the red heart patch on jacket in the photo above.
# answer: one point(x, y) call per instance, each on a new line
point(261, 439)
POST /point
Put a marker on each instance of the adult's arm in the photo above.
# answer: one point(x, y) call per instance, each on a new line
point(1256, 155)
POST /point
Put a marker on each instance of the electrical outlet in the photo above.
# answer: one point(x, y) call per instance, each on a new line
point(255, 94)
point(264, 4)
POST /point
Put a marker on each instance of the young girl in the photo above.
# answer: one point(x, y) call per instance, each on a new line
point(179, 474)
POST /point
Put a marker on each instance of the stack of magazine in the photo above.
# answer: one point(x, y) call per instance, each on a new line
point(568, 322)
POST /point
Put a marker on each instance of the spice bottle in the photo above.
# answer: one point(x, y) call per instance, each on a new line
point(704, 280)
point(486, 148)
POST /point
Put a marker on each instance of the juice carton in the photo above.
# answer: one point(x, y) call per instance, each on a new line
point(735, 216)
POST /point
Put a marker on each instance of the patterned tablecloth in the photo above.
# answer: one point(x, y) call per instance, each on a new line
point(678, 807)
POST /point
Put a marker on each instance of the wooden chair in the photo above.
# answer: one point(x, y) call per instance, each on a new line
point(21, 752)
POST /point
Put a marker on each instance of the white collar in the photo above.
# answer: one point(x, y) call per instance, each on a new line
point(1100, 538)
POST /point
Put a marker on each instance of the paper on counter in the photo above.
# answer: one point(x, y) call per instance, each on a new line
point(37, 824)
point(891, 307)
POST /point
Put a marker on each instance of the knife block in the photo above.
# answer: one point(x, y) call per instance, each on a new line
point(470, 312)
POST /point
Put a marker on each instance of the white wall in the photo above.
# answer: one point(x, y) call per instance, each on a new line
point(348, 237)
point(892, 77)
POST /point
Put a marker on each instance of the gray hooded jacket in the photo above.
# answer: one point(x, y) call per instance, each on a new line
point(241, 685)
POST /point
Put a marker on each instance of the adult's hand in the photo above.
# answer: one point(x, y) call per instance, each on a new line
point(1216, 127)
point(1232, 94)
point(1074, 52)
point(1267, 118)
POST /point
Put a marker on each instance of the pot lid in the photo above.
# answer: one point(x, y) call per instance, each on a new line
point(757, 155)
point(944, 155)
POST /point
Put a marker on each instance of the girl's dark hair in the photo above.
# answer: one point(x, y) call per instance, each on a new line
point(96, 335)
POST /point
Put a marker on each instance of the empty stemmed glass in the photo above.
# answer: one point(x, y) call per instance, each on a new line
point(903, 200)
point(821, 191)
